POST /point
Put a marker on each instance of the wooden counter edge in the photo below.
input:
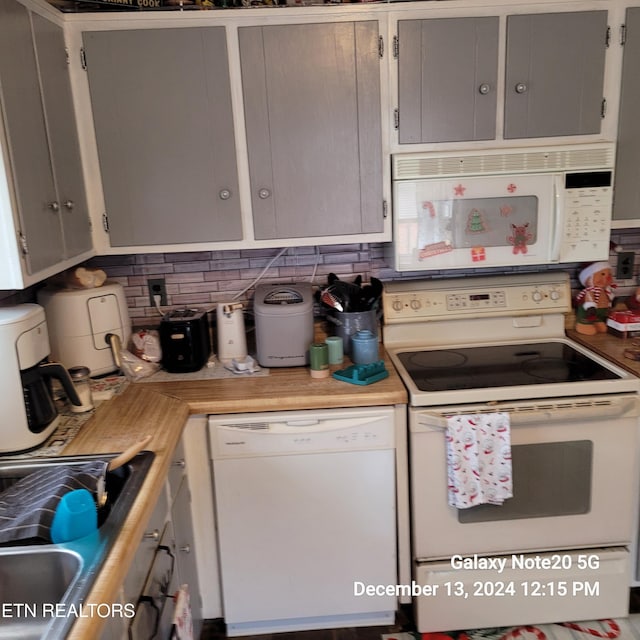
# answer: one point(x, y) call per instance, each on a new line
point(115, 426)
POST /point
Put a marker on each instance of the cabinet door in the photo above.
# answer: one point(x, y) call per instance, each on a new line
point(626, 204)
point(447, 77)
point(554, 74)
point(185, 549)
point(26, 134)
point(63, 136)
point(312, 109)
point(162, 110)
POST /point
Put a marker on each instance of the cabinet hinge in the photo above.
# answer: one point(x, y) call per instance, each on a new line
point(396, 119)
point(83, 58)
point(385, 209)
point(24, 247)
point(623, 34)
point(396, 47)
point(607, 37)
point(603, 108)
point(67, 57)
point(380, 47)
point(105, 222)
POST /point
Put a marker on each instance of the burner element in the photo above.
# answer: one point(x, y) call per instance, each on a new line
point(440, 359)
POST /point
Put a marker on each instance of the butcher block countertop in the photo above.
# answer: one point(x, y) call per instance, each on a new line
point(161, 410)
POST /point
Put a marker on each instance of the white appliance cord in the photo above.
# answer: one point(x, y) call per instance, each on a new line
point(259, 276)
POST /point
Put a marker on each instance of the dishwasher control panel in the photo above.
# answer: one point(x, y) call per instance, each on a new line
point(301, 432)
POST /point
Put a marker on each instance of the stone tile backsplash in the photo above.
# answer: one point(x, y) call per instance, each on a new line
point(207, 277)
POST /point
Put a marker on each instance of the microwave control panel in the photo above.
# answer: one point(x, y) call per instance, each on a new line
point(588, 203)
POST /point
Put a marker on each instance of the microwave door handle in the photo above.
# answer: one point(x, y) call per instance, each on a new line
point(557, 219)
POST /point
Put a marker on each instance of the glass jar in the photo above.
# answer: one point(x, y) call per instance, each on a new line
point(82, 383)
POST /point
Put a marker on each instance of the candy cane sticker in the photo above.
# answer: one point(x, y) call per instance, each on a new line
point(614, 629)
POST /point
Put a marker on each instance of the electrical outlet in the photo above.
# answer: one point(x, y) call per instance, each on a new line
point(624, 270)
point(157, 288)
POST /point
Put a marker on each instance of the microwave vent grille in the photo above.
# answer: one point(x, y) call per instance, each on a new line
point(416, 166)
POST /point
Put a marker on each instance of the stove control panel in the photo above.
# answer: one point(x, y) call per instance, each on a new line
point(526, 294)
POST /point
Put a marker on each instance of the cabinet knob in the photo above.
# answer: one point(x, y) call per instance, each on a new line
point(224, 194)
point(54, 206)
point(179, 463)
point(186, 548)
point(263, 194)
point(521, 87)
point(152, 535)
point(69, 204)
point(484, 89)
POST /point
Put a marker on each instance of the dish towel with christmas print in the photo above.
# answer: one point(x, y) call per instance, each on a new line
point(479, 459)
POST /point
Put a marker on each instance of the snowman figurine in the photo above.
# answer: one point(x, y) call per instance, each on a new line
point(594, 301)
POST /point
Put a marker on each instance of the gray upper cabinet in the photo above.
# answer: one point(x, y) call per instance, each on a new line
point(313, 123)
point(447, 79)
point(626, 203)
point(448, 76)
point(41, 138)
point(554, 74)
point(63, 136)
point(163, 119)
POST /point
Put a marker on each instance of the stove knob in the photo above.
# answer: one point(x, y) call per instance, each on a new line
point(415, 304)
point(536, 296)
point(397, 305)
point(555, 295)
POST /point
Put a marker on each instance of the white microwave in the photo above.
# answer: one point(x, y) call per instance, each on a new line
point(502, 208)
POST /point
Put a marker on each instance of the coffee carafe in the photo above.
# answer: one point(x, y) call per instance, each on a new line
point(29, 414)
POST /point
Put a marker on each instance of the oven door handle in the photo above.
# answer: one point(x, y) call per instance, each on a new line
point(618, 407)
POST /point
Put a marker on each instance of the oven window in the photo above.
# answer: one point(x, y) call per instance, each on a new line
point(549, 479)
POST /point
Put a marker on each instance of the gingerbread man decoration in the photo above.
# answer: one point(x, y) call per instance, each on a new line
point(593, 303)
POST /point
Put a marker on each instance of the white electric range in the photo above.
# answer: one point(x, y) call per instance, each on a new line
point(475, 346)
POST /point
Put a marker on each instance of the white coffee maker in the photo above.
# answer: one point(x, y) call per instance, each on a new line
point(29, 414)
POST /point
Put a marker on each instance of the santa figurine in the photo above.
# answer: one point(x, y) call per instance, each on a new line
point(594, 301)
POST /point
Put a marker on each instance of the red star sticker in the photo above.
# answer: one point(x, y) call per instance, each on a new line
point(459, 190)
point(511, 188)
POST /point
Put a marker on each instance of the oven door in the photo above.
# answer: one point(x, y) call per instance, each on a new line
point(467, 222)
point(574, 479)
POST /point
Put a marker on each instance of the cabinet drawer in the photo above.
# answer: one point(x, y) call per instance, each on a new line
point(146, 550)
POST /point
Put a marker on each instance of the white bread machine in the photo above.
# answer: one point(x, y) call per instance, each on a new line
point(284, 324)
point(81, 322)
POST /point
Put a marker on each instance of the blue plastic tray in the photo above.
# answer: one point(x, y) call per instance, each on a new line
point(362, 373)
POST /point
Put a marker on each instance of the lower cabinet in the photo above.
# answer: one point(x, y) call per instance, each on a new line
point(154, 611)
point(166, 557)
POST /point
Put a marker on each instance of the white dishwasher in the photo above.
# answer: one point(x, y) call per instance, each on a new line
point(306, 508)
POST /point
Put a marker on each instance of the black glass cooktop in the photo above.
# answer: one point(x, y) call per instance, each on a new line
point(501, 366)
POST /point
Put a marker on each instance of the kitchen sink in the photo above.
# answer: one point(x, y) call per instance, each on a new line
point(33, 582)
point(43, 586)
